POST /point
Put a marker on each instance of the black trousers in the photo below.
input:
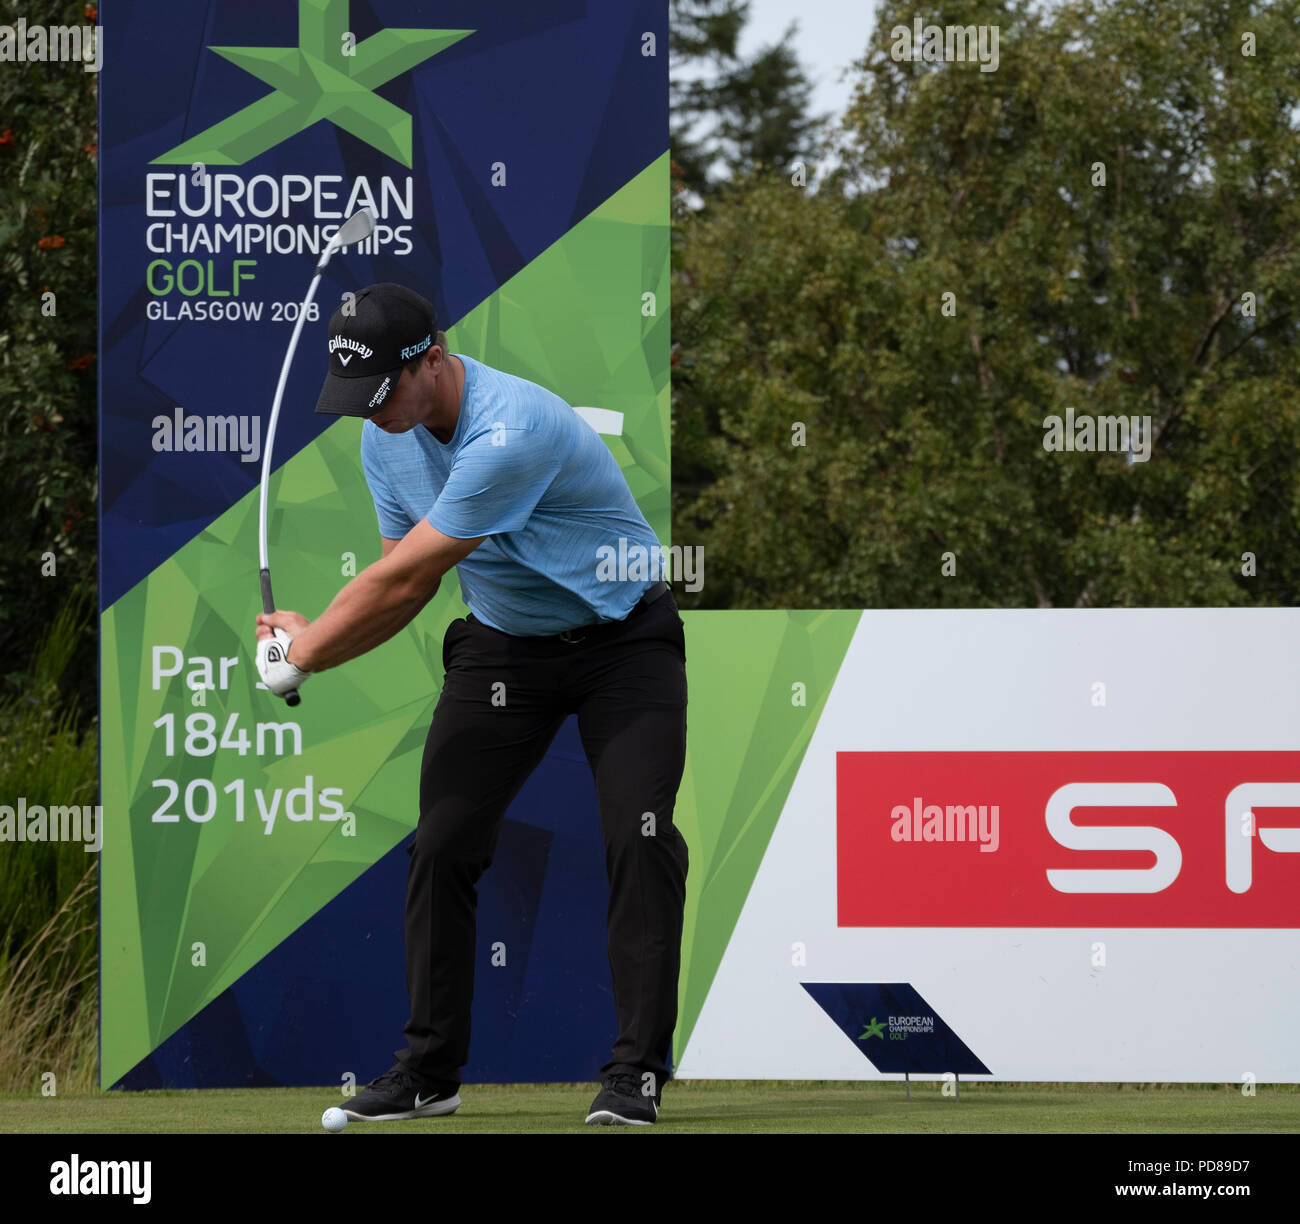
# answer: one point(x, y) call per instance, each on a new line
point(504, 699)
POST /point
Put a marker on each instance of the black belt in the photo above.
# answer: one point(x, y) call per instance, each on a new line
point(655, 592)
point(573, 636)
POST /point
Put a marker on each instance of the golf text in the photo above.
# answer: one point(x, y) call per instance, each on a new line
point(22, 43)
point(228, 212)
point(77, 1176)
point(181, 432)
point(57, 824)
point(950, 44)
point(637, 563)
point(955, 823)
point(1120, 434)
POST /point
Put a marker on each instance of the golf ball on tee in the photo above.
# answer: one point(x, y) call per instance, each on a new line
point(334, 1119)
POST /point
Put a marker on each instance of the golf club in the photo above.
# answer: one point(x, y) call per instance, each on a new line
point(358, 226)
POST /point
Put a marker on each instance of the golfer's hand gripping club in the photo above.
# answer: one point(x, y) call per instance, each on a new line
point(278, 674)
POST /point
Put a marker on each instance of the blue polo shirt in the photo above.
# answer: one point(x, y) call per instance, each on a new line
point(567, 545)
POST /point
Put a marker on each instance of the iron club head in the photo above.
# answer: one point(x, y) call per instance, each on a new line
point(361, 224)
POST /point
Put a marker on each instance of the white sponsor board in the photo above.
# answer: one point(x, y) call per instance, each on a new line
point(1184, 724)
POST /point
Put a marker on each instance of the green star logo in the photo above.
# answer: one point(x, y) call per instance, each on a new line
point(875, 1029)
point(327, 76)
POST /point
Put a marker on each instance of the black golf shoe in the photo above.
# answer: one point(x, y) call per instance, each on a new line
point(620, 1102)
point(397, 1096)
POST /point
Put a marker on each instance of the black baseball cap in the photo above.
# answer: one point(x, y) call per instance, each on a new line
point(384, 327)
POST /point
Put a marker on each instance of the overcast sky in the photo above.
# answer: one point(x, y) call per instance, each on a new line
point(831, 35)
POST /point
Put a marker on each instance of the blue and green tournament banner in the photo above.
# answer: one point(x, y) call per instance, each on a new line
point(515, 156)
point(880, 806)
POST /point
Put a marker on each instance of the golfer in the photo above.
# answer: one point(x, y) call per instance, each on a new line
point(475, 468)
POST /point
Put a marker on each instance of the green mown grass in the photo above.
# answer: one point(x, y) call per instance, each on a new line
point(698, 1107)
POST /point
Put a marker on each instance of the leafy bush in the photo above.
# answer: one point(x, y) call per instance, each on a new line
point(48, 422)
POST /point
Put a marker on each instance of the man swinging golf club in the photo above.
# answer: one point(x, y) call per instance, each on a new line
point(472, 467)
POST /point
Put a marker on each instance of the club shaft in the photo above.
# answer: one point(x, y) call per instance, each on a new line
point(264, 574)
point(353, 233)
point(269, 448)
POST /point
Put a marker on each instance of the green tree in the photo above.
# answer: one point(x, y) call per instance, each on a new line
point(740, 115)
point(702, 39)
point(763, 111)
point(1100, 209)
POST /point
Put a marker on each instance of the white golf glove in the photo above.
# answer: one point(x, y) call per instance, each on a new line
point(278, 674)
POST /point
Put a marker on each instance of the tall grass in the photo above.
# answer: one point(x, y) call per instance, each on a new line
point(48, 892)
point(49, 1001)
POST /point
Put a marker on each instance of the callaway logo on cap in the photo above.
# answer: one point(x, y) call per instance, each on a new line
point(388, 326)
